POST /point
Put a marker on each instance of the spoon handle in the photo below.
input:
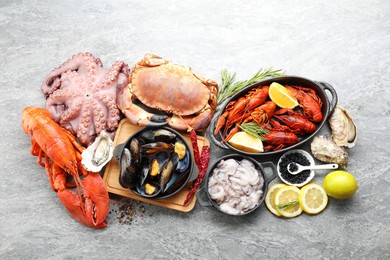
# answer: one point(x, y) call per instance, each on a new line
point(322, 167)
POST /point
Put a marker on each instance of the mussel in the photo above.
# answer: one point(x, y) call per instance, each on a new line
point(184, 163)
point(128, 176)
point(155, 163)
point(160, 135)
point(168, 170)
point(151, 148)
point(149, 190)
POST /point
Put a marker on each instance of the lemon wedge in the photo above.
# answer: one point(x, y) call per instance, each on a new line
point(281, 96)
point(313, 198)
point(246, 142)
point(287, 201)
point(270, 198)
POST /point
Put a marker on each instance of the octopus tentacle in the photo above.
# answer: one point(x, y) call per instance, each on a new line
point(82, 95)
point(52, 81)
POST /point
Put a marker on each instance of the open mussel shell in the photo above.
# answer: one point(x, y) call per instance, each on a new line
point(158, 135)
point(160, 173)
point(149, 189)
point(168, 171)
point(128, 175)
point(184, 164)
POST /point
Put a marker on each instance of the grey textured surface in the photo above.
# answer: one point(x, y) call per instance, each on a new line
point(345, 43)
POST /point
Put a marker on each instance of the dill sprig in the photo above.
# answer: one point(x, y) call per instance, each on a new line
point(254, 130)
point(230, 86)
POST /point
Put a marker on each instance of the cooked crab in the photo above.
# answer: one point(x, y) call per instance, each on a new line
point(185, 99)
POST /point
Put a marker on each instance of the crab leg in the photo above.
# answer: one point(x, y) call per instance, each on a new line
point(136, 114)
point(199, 122)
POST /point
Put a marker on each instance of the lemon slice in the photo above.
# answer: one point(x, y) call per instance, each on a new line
point(313, 198)
point(245, 142)
point(281, 96)
point(287, 201)
point(270, 198)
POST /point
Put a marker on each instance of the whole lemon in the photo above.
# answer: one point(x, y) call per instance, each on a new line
point(340, 184)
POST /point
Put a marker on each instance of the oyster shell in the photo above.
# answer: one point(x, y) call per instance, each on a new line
point(98, 154)
point(325, 149)
point(344, 131)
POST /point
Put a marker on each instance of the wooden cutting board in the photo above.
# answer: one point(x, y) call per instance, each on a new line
point(111, 174)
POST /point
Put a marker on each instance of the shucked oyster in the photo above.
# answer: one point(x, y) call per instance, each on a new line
point(325, 149)
point(98, 154)
point(344, 131)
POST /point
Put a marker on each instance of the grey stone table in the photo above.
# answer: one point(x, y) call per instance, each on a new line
point(345, 43)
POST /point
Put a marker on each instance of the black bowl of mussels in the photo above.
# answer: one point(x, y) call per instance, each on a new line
point(154, 163)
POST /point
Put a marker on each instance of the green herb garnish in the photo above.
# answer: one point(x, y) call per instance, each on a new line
point(229, 87)
point(288, 204)
point(254, 130)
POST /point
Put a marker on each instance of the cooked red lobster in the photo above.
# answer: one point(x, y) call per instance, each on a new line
point(58, 151)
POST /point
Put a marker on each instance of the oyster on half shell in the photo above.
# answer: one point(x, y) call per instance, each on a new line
point(344, 131)
point(98, 154)
point(326, 150)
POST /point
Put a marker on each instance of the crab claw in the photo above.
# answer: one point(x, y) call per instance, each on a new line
point(184, 123)
point(93, 210)
point(137, 115)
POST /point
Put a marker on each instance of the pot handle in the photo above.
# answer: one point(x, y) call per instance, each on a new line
point(271, 165)
point(333, 101)
point(118, 151)
point(203, 200)
point(213, 138)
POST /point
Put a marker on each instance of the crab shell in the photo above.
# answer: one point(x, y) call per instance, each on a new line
point(174, 89)
point(170, 88)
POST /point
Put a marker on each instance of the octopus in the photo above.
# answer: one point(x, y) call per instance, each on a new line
point(81, 96)
point(236, 187)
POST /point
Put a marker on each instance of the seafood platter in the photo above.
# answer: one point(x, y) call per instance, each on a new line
point(143, 133)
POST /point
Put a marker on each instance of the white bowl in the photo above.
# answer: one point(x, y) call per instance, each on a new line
point(304, 153)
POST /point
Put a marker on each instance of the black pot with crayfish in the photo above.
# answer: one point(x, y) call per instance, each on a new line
point(154, 163)
point(282, 129)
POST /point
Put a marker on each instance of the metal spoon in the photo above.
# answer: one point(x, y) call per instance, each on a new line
point(300, 168)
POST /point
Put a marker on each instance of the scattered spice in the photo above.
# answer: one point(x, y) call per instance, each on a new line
point(128, 211)
point(297, 158)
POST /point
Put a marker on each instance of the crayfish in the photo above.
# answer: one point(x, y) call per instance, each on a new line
point(283, 125)
point(58, 151)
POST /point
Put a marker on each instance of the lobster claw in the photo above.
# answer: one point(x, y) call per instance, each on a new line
point(90, 209)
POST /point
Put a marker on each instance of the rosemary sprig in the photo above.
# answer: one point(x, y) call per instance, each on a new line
point(254, 130)
point(288, 204)
point(229, 87)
